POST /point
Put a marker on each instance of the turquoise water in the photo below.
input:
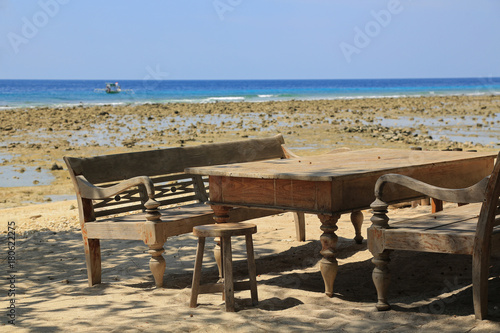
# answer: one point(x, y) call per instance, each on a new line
point(32, 93)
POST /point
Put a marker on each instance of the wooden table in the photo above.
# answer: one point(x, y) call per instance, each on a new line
point(331, 184)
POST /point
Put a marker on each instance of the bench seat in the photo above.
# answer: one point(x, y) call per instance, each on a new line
point(450, 231)
point(174, 221)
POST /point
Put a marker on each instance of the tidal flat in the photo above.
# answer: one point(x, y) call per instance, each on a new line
point(34, 140)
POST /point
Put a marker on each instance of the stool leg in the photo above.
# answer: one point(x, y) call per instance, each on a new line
point(195, 287)
point(227, 258)
point(252, 270)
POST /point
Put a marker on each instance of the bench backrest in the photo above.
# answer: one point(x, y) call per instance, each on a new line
point(166, 169)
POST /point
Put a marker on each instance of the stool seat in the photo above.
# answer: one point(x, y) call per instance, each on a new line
point(225, 231)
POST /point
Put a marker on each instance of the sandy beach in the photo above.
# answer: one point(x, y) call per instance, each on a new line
point(52, 294)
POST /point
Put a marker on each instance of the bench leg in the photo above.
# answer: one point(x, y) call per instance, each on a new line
point(157, 264)
point(300, 226)
point(381, 279)
point(357, 222)
point(93, 259)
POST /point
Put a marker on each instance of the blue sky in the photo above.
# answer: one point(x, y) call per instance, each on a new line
point(248, 39)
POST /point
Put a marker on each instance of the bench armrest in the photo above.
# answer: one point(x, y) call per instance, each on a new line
point(287, 153)
point(474, 193)
point(90, 191)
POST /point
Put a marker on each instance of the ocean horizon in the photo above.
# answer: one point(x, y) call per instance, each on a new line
point(67, 93)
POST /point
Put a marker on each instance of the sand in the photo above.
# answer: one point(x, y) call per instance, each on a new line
point(52, 294)
point(429, 292)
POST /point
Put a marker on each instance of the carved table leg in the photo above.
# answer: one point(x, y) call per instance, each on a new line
point(357, 222)
point(328, 265)
point(381, 279)
point(221, 215)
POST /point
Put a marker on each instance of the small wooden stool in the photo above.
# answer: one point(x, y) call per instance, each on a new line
point(225, 231)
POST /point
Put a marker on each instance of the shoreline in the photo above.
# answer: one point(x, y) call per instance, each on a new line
point(243, 99)
point(35, 140)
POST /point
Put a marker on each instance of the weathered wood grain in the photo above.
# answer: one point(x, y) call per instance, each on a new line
point(468, 229)
point(113, 192)
point(225, 231)
point(343, 182)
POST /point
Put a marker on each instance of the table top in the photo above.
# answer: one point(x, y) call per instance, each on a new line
point(338, 165)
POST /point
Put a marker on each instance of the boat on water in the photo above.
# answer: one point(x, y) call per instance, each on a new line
point(113, 88)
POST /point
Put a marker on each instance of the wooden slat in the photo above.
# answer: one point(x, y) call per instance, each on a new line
point(125, 198)
point(171, 177)
point(460, 243)
point(180, 200)
point(449, 231)
point(114, 230)
point(430, 221)
point(174, 221)
point(131, 200)
point(119, 210)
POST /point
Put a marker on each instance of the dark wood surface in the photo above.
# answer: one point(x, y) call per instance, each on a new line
point(340, 182)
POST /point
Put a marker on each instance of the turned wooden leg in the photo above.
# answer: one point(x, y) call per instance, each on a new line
point(357, 222)
point(154, 240)
point(329, 265)
point(221, 215)
point(252, 269)
point(157, 264)
point(195, 287)
point(218, 259)
point(300, 226)
point(381, 279)
point(93, 259)
point(227, 258)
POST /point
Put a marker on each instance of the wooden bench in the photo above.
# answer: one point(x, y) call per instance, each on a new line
point(473, 229)
point(119, 195)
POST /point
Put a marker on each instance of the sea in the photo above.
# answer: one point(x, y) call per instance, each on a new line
point(60, 93)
